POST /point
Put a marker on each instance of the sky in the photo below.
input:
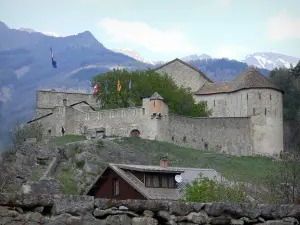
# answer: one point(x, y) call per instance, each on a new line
point(166, 29)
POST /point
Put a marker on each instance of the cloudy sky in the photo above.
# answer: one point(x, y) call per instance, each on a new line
point(165, 29)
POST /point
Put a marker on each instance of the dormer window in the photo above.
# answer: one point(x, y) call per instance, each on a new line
point(160, 180)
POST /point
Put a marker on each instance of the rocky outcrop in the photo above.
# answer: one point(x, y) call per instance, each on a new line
point(85, 210)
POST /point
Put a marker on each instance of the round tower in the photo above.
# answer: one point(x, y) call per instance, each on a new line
point(156, 105)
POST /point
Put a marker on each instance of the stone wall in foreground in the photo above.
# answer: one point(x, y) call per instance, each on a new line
point(20, 209)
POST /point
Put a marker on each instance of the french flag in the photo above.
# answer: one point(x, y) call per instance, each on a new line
point(52, 58)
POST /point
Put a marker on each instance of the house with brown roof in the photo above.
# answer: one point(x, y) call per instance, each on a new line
point(122, 181)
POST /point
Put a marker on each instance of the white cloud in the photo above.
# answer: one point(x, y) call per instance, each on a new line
point(283, 26)
point(230, 51)
point(140, 33)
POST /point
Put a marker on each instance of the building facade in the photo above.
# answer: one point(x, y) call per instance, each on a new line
point(246, 114)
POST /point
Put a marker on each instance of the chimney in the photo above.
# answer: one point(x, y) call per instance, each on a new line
point(164, 163)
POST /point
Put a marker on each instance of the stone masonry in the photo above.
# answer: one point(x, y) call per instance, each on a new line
point(246, 114)
point(26, 209)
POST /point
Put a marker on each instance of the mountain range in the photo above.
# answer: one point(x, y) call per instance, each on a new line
point(25, 65)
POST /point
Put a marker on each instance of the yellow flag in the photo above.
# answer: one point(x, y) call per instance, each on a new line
point(119, 86)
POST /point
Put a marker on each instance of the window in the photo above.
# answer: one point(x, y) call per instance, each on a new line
point(270, 97)
point(253, 111)
point(259, 96)
point(184, 139)
point(247, 97)
point(265, 111)
point(116, 187)
point(172, 138)
point(160, 181)
point(171, 182)
point(214, 103)
point(143, 111)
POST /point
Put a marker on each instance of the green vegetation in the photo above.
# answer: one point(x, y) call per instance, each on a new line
point(68, 186)
point(37, 172)
point(248, 169)
point(23, 132)
point(99, 145)
point(80, 164)
point(67, 139)
point(203, 190)
point(289, 81)
point(145, 83)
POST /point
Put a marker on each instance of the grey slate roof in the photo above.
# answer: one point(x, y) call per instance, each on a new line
point(156, 96)
point(250, 78)
point(188, 175)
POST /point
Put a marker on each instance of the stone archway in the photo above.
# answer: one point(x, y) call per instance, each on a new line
point(135, 133)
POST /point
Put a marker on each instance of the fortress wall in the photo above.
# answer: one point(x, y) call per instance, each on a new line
point(121, 122)
point(226, 104)
point(183, 75)
point(74, 121)
point(53, 122)
point(50, 99)
point(42, 112)
point(227, 135)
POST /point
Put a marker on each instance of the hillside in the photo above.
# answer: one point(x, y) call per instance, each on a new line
point(79, 161)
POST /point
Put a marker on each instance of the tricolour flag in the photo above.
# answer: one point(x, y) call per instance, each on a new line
point(129, 84)
point(96, 88)
point(119, 86)
point(52, 59)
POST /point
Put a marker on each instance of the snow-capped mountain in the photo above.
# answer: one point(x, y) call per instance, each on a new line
point(48, 33)
point(270, 60)
point(195, 57)
point(134, 54)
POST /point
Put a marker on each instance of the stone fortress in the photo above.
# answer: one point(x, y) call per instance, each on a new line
point(246, 114)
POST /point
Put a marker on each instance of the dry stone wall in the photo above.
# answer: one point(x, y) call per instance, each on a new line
point(20, 209)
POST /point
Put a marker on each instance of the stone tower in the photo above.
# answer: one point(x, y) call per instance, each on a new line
point(159, 116)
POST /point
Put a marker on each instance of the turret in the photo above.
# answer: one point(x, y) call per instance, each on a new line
point(157, 106)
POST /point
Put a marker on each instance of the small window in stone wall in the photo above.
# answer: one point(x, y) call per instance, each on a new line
point(143, 111)
point(265, 111)
point(184, 139)
point(259, 96)
point(253, 111)
point(247, 97)
point(172, 138)
point(214, 103)
point(270, 97)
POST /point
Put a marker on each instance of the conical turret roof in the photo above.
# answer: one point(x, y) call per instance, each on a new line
point(156, 96)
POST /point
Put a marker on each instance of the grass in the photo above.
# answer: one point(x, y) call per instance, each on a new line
point(68, 186)
point(248, 168)
point(37, 173)
point(67, 139)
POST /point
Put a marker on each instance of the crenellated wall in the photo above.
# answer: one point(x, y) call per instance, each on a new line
point(85, 210)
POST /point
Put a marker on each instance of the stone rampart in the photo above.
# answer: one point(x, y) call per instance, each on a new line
point(23, 209)
point(221, 134)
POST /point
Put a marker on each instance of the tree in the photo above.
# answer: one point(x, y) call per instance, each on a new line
point(22, 132)
point(283, 182)
point(203, 189)
point(145, 83)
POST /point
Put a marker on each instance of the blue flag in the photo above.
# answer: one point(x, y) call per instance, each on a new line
point(52, 58)
point(129, 85)
point(106, 87)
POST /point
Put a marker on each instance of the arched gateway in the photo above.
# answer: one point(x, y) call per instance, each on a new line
point(135, 133)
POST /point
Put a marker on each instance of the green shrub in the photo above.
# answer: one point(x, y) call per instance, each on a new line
point(80, 164)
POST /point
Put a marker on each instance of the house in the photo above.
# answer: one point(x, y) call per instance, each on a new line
point(122, 181)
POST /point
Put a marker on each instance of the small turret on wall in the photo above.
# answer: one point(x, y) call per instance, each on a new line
point(157, 106)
